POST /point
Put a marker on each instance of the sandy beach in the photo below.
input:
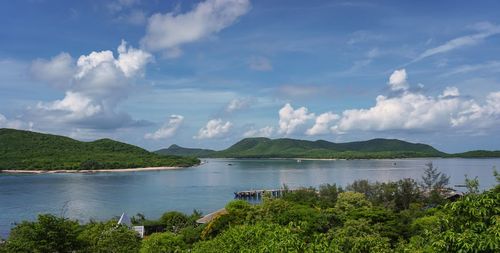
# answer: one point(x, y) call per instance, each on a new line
point(87, 171)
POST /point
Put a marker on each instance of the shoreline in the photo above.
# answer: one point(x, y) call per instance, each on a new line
point(88, 171)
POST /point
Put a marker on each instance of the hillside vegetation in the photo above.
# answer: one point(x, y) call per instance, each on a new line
point(180, 151)
point(290, 148)
point(30, 150)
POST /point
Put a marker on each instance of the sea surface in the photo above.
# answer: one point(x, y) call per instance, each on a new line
point(206, 188)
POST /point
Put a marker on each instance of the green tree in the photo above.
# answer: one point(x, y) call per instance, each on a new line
point(48, 234)
point(472, 185)
point(163, 243)
point(261, 237)
point(433, 179)
point(175, 221)
point(109, 237)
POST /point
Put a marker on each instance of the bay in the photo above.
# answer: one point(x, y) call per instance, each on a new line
point(207, 187)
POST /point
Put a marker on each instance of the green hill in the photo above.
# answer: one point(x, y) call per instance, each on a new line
point(477, 154)
point(180, 151)
point(290, 148)
point(30, 150)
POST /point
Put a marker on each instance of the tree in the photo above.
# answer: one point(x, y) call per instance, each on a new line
point(433, 183)
point(433, 179)
point(109, 237)
point(48, 234)
point(174, 221)
point(472, 185)
point(163, 243)
point(328, 195)
point(261, 237)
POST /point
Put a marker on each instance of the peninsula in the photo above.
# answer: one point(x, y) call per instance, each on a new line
point(32, 151)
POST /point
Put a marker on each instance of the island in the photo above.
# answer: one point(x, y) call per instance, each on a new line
point(31, 151)
point(379, 148)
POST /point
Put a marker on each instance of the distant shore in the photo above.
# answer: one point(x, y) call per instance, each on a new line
point(87, 171)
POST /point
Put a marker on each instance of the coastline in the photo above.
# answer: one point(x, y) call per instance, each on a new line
point(88, 171)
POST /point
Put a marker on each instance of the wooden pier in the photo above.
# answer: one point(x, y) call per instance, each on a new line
point(258, 194)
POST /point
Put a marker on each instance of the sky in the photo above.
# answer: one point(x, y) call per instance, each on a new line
point(209, 73)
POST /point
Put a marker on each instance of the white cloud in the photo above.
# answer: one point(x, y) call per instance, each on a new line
point(485, 30)
point(168, 129)
point(131, 60)
point(16, 124)
point(398, 80)
point(450, 92)
point(260, 64)
point(322, 124)
point(215, 128)
point(99, 81)
point(168, 31)
point(57, 71)
point(262, 132)
point(492, 66)
point(290, 119)
point(119, 5)
point(413, 111)
point(238, 104)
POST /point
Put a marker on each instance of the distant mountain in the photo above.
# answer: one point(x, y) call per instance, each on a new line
point(30, 150)
point(291, 148)
point(477, 154)
point(180, 151)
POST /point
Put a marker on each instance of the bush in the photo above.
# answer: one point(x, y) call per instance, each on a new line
point(253, 238)
point(174, 221)
point(109, 237)
point(48, 234)
point(163, 243)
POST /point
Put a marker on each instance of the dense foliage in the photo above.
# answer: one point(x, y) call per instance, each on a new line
point(400, 216)
point(29, 150)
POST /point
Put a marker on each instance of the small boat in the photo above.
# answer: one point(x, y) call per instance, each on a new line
point(299, 161)
point(229, 164)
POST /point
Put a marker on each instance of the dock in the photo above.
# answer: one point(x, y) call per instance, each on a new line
point(258, 194)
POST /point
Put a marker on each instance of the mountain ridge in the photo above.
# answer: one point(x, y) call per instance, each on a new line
point(261, 147)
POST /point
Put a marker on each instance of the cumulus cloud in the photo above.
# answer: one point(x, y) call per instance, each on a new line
point(215, 128)
point(260, 64)
point(168, 129)
point(414, 111)
point(238, 104)
point(167, 32)
point(98, 82)
point(322, 124)
point(290, 119)
point(56, 72)
point(398, 80)
point(262, 132)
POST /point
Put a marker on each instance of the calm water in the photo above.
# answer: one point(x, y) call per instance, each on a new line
point(207, 187)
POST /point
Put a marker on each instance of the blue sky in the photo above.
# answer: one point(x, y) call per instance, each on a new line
point(208, 73)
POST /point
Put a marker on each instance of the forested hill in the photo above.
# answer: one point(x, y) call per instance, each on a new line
point(30, 150)
point(291, 148)
point(180, 151)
